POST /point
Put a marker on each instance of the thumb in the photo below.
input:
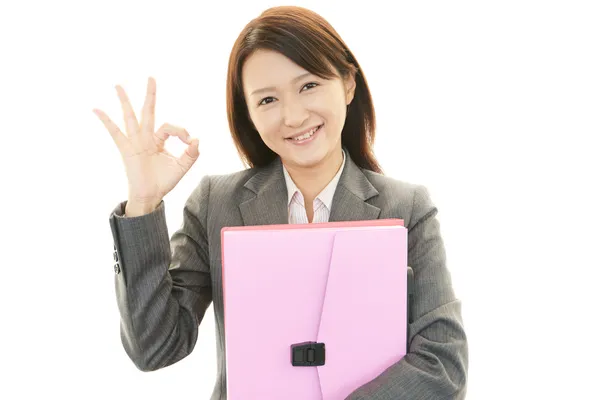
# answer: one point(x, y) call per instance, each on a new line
point(191, 153)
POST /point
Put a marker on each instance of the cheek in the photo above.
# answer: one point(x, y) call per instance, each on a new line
point(266, 124)
point(331, 106)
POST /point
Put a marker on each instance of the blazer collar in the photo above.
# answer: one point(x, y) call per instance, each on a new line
point(351, 195)
point(269, 206)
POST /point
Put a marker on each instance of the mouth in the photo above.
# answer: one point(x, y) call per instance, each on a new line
point(305, 137)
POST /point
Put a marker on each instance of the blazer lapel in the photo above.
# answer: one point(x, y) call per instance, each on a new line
point(351, 194)
point(269, 206)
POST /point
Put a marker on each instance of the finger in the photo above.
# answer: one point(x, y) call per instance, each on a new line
point(118, 136)
point(131, 123)
point(167, 130)
point(147, 125)
point(190, 155)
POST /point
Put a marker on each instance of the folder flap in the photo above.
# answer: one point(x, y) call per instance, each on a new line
point(363, 321)
point(273, 300)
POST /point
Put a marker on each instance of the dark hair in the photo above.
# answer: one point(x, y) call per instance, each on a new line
point(310, 41)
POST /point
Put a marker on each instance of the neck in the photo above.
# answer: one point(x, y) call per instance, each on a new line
point(312, 180)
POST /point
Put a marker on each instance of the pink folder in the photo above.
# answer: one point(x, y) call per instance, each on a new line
point(313, 311)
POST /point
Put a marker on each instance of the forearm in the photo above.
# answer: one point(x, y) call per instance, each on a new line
point(435, 367)
point(159, 320)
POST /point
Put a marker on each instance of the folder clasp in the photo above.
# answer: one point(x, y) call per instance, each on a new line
point(308, 354)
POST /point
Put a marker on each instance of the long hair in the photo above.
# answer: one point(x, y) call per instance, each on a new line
point(310, 41)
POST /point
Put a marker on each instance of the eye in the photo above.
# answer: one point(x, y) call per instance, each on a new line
point(310, 85)
point(266, 101)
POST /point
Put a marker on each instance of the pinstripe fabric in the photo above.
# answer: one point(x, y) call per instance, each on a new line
point(321, 204)
point(164, 285)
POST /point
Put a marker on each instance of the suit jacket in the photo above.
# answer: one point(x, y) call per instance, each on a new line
point(164, 286)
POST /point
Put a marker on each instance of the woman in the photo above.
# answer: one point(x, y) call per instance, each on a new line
point(302, 119)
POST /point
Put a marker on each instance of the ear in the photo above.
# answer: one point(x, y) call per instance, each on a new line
point(350, 86)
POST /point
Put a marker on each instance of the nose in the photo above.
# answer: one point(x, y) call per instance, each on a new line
point(294, 114)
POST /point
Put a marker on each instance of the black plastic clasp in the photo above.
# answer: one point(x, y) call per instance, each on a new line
point(308, 354)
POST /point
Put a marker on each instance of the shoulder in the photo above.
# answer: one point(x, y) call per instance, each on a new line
point(218, 196)
point(409, 200)
point(388, 187)
point(223, 186)
point(230, 183)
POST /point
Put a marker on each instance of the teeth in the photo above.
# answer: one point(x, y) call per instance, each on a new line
point(307, 135)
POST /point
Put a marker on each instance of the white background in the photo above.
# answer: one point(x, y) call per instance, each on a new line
point(494, 106)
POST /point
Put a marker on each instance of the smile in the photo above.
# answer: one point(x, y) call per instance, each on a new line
point(307, 137)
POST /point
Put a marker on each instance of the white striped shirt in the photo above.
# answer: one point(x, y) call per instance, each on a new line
point(321, 204)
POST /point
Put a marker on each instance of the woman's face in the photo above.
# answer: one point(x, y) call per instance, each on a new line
point(298, 115)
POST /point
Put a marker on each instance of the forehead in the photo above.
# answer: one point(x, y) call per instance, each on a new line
point(265, 68)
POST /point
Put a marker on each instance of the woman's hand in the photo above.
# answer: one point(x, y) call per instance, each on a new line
point(152, 172)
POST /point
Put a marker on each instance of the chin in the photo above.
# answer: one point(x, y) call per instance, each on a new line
point(307, 162)
point(307, 159)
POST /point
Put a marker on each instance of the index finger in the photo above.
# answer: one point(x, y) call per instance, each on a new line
point(147, 124)
point(113, 129)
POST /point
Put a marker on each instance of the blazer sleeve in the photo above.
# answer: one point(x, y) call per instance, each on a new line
point(163, 286)
point(436, 364)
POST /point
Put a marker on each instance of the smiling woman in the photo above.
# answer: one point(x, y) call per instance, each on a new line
point(290, 72)
point(302, 118)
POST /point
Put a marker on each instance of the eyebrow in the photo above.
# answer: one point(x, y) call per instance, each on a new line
point(296, 79)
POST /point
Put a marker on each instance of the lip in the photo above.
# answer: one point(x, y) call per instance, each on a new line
point(295, 142)
point(304, 132)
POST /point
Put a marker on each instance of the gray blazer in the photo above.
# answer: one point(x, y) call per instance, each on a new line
point(164, 286)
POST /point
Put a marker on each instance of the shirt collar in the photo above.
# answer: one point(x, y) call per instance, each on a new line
point(326, 195)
